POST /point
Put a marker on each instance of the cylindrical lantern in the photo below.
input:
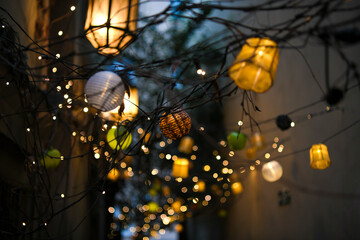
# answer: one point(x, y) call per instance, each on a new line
point(255, 66)
point(236, 140)
point(319, 156)
point(130, 111)
point(236, 188)
point(111, 25)
point(186, 145)
point(175, 125)
point(119, 138)
point(181, 168)
point(272, 171)
point(113, 175)
point(258, 141)
point(104, 90)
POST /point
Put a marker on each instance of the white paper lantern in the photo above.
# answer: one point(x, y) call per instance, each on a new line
point(105, 90)
point(272, 171)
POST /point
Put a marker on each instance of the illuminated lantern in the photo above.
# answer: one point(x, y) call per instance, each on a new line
point(236, 141)
point(119, 138)
point(110, 26)
point(236, 188)
point(251, 153)
point(319, 156)
point(153, 207)
point(186, 145)
point(104, 91)
point(130, 111)
point(283, 122)
point(201, 186)
point(175, 125)
point(258, 141)
point(176, 206)
point(166, 191)
point(272, 171)
point(255, 66)
point(180, 168)
point(113, 175)
point(51, 158)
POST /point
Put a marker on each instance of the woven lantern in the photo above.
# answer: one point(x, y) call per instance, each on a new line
point(255, 66)
point(181, 168)
point(319, 156)
point(131, 108)
point(258, 141)
point(236, 188)
point(104, 91)
point(186, 145)
point(272, 171)
point(111, 25)
point(175, 125)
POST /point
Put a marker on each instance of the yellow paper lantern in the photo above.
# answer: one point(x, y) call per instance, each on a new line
point(180, 168)
point(319, 156)
point(236, 188)
point(119, 138)
point(113, 175)
point(272, 171)
point(175, 125)
point(111, 25)
point(130, 111)
point(258, 141)
point(51, 158)
point(255, 66)
point(186, 145)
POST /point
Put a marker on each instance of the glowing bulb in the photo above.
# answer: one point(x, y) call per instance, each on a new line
point(60, 33)
point(72, 8)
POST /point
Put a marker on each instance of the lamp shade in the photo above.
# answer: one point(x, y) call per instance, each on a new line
point(130, 111)
point(319, 156)
point(272, 171)
point(255, 66)
point(236, 188)
point(119, 138)
point(180, 168)
point(175, 125)
point(110, 25)
point(186, 145)
point(104, 90)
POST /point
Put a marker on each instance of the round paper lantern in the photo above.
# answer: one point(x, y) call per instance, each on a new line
point(113, 175)
point(153, 207)
point(283, 122)
point(111, 25)
point(236, 188)
point(175, 125)
point(186, 145)
point(334, 96)
point(236, 141)
point(180, 168)
point(258, 141)
point(119, 138)
point(272, 171)
point(319, 157)
point(51, 158)
point(104, 91)
point(255, 66)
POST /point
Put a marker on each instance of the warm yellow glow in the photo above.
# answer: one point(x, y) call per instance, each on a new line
point(113, 175)
point(186, 145)
point(236, 188)
point(201, 186)
point(319, 156)
point(255, 66)
point(181, 168)
point(258, 141)
point(111, 31)
point(130, 111)
point(177, 205)
point(272, 171)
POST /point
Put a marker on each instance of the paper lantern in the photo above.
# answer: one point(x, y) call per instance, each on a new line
point(51, 158)
point(180, 168)
point(236, 141)
point(113, 175)
point(104, 91)
point(119, 138)
point(110, 26)
point(255, 66)
point(272, 171)
point(176, 206)
point(251, 153)
point(186, 145)
point(175, 125)
point(166, 191)
point(319, 156)
point(258, 141)
point(130, 111)
point(201, 186)
point(283, 122)
point(236, 188)
point(153, 207)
